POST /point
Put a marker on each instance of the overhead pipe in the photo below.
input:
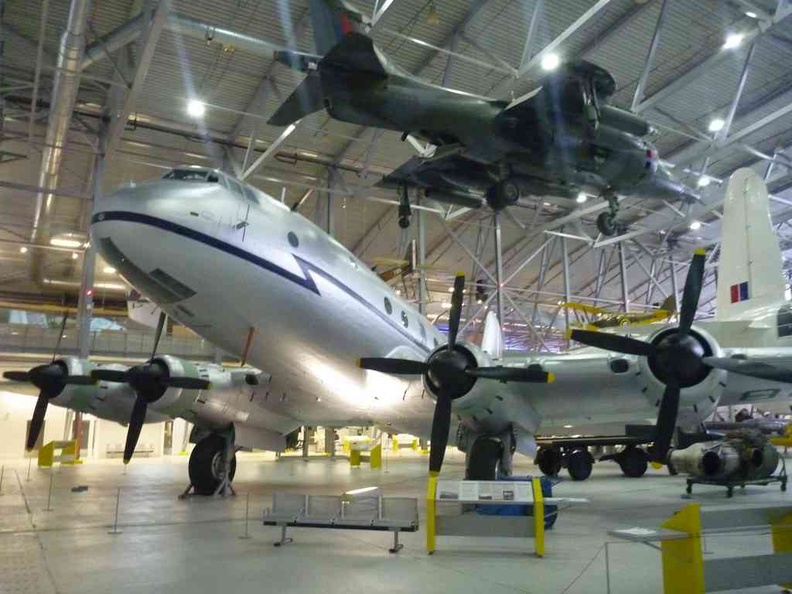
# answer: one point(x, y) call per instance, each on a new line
point(64, 94)
point(113, 41)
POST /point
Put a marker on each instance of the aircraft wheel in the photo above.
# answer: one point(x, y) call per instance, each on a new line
point(503, 194)
point(606, 224)
point(633, 462)
point(206, 465)
point(549, 461)
point(404, 222)
point(579, 464)
point(484, 460)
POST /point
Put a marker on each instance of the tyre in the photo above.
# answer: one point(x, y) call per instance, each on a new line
point(579, 464)
point(206, 465)
point(484, 460)
point(606, 224)
point(502, 195)
point(549, 461)
point(633, 462)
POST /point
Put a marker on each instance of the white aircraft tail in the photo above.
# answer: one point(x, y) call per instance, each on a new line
point(492, 339)
point(750, 272)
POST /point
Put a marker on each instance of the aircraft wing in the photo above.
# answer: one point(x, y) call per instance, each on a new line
point(763, 364)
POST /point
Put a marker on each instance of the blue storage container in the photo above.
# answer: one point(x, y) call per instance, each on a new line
point(516, 509)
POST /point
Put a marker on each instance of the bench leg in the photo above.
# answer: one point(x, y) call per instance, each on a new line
point(283, 539)
point(397, 546)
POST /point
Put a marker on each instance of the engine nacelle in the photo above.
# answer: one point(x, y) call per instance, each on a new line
point(700, 397)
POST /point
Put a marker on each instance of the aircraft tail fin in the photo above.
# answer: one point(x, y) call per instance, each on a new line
point(492, 339)
point(750, 273)
point(332, 20)
point(355, 52)
point(306, 99)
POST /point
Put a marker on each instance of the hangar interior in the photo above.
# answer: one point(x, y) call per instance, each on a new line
point(97, 94)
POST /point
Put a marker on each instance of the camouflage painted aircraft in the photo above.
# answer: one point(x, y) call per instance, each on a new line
point(560, 139)
point(596, 318)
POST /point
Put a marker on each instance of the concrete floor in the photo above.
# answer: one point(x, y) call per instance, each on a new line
point(168, 545)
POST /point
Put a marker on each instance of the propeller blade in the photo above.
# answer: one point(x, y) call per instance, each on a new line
point(692, 292)
point(750, 368)
point(37, 422)
point(160, 326)
point(393, 366)
point(455, 314)
point(17, 376)
point(512, 374)
point(60, 336)
point(79, 380)
point(135, 425)
point(108, 375)
point(614, 342)
point(188, 383)
point(666, 422)
point(441, 426)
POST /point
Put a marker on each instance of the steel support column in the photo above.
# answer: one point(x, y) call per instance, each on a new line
point(498, 265)
point(567, 299)
point(423, 297)
point(724, 132)
point(623, 275)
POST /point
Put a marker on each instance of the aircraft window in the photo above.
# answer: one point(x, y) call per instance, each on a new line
point(199, 175)
point(784, 321)
point(293, 241)
point(388, 306)
point(405, 319)
point(250, 194)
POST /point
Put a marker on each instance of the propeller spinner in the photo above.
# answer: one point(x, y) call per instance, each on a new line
point(450, 372)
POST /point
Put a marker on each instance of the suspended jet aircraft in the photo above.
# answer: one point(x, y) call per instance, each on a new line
point(560, 139)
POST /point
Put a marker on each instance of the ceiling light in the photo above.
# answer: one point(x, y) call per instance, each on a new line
point(450, 289)
point(567, 426)
point(581, 198)
point(550, 62)
point(109, 270)
point(733, 40)
point(751, 15)
point(65, 242)
point(23, 250)
point(446, 305)
point(695, 225)
point(716, 125)
point(111, 286)
point(195, 108)
point(74, 255)
point(703, 181)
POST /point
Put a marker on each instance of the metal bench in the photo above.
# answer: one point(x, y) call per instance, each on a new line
point(386, 514)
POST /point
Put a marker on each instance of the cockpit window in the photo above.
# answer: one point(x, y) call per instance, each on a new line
point(235, 186)
point(250, 194)
point(199, 175)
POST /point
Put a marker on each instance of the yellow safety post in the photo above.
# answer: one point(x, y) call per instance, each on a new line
point(354, 458)
point(394, 444)
point(782, 538)
point(539, 517)
point(345, 445)
point(46, 455)
point(375, 456)
point(683, 564)
point(415, 445)
point(431, 509)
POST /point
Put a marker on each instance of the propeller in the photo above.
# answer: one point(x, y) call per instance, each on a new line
point(149, 380)
point(450, 372)
point(678, 359)
point(50, 379)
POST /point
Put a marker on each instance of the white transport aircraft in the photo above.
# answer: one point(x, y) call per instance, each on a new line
point(251, 276)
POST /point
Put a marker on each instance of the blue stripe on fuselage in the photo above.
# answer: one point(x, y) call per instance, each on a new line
point(307, 267)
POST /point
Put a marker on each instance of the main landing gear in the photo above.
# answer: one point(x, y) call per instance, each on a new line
point(489, 457)
point(606, 221)
point(212, 465)
point(632, 460)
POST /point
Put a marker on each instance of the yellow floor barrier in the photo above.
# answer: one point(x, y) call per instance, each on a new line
point(373, 456)
point(67, 455)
